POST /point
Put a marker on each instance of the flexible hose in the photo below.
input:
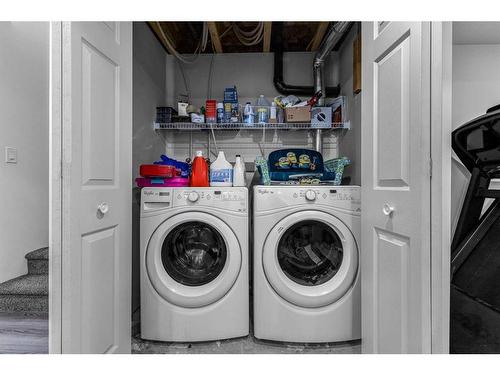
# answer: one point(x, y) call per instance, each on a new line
point(202, 45)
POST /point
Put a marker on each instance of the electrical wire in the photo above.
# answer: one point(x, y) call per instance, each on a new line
point(202, 45)
point(251, 37)
point(210, 77)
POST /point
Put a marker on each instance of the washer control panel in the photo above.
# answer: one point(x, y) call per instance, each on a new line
point(229, 199)
point(272, 197)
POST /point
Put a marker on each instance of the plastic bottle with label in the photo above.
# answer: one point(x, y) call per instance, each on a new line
point(263, 110)
point(239, 172)
point(221, 171)
point(199, 171)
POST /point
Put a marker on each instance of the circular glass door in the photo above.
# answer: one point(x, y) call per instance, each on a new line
point(310, 259)
point(194, 253)
point(310, 253)
point(193, 259)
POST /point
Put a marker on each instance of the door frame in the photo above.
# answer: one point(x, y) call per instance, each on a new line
point(440, 164)
point(441, 104)
point(55, 188)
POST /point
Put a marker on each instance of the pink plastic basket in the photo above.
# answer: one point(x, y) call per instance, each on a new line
point(162, 182)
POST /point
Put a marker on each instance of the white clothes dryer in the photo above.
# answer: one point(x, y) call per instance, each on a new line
point(306, 263)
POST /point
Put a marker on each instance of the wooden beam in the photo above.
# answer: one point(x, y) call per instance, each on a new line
point(214, 35)
point(356, 68)
point(318, 36)
point(156, 29)
point(267, 37)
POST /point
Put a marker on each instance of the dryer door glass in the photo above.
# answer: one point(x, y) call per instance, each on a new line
point(194, 253)
point(310, 253)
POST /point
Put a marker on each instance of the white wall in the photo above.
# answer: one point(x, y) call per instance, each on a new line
point(149, 91)
point(476, 87)
point(24, 124)
point(252, 73)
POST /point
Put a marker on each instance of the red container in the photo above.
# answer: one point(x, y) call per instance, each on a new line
point(199, 171)
point(211, 110)
point(157, 171)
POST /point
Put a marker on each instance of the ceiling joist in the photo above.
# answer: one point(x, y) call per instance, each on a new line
point(267, 37)
point(318, 36)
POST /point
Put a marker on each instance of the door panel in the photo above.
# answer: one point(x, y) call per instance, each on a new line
point(100, 78)
point(97, 148)
point(391, 256)
point(391, 119)
point(99, 254)
point(395, 260)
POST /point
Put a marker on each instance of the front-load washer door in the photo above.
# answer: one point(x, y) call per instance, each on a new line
point(193, 259)
point(310, 258)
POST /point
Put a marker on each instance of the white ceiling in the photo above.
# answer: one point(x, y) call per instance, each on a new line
point(476, 32)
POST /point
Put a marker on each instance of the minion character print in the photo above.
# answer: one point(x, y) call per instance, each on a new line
point(283, 163)
point(304, 161)
point(292, 159)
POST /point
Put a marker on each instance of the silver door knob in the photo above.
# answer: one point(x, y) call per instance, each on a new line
point(103, 208)
point(387, 209)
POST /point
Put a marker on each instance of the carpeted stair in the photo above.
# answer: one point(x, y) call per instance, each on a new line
point(30, 292)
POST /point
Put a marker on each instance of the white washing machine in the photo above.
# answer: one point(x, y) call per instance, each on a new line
point(306, 263)
point(194, 263)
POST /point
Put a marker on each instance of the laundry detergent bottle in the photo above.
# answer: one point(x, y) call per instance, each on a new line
point(221, 171)
point(199, 171)
point(239, 172)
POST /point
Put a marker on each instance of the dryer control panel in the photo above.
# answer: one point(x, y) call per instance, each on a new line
point(226, 198)
point(273, 197)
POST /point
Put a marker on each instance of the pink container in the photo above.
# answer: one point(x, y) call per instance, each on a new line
point(162, 182)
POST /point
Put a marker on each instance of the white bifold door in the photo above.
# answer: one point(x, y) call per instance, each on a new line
point(395, 246)
point(96, 118)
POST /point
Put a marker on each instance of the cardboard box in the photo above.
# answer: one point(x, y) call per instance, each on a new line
point(298, 114)
point(321, 117)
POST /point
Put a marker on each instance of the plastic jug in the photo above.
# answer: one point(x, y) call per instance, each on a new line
point(263, 110)
point(239, 172)
point(199, 171)
point(221, 171)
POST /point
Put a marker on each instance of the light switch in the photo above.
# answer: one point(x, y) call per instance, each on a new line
point(11, 155)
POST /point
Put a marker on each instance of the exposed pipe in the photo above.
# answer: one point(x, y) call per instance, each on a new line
point(286, 89)
point(331, 39)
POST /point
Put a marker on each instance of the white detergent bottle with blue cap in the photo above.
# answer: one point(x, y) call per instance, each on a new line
point(221, 171)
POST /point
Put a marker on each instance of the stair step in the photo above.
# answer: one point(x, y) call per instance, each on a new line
point(18, 303)
point(25, 293)
point(38, 261)
point(40, 254)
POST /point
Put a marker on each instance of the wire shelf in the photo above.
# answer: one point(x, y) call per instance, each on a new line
point(243, 126)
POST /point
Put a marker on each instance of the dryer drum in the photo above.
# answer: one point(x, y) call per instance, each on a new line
point(310, 253)
point(194, 253)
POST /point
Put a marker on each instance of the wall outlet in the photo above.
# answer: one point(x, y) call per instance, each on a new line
point(11, 155)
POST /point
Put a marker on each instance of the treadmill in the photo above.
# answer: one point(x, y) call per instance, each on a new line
point(475, 249)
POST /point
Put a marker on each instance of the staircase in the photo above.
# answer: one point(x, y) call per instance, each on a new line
point(30, 292)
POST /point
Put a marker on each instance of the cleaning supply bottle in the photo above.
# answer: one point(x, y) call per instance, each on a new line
point(221, 171)
point(239, 172)
point(263, 110)
point(199, 171)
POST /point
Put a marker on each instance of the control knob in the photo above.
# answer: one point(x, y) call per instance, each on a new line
point(310, 195)
point(193, 196)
